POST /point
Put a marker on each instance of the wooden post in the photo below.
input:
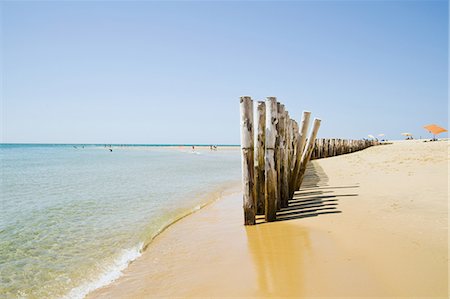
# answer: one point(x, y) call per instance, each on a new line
point(327, 146)
point(307, 153)
point(333, 147)
point(287, 171)
point(288, 145)
point(320, 146)
point(304, 130)
point(339, 146)
point(320, 151)
point(270, 170)
point(278, 154)
point(314, 151)
point(317, 149)
point(260, 184)
point(301, 146)
point(284, 187)
point(294, 142)
point(295, 153)
point(291, 150)
point(247, 160)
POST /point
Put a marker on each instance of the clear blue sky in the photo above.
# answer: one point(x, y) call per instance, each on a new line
point(172, 72)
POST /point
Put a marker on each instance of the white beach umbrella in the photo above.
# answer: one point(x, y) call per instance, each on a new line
point(371, 136)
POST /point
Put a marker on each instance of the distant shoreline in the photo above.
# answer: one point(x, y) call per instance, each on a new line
point(156, 144)
point(122, 144)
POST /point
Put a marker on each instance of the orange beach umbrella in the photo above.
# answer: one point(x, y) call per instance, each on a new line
point(435, 129)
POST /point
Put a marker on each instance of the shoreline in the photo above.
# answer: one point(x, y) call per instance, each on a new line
point(132, 254)
point(360, 239)
point(230, 189)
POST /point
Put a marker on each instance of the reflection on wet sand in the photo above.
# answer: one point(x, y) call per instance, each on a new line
point(281, 252)
point(279, 273)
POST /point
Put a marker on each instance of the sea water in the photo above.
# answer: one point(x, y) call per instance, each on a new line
point(73, 217)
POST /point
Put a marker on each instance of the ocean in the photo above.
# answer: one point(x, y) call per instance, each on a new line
point(73, 217)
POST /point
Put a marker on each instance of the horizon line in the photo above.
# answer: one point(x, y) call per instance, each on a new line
point(133, 144)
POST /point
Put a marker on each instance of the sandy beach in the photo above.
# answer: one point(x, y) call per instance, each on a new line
point(368, 224)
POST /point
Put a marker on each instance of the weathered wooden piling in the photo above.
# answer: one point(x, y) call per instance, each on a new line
point(324, 148)
point(290, 148)
point(304, 129)
point(260, 157)
point(307, 152)
point(317, 152)
point(301, 146)
point(278, 155)
point(247, 160)
point(339, 146)
point(271, 192)
point(296, 153)
point(283, 174)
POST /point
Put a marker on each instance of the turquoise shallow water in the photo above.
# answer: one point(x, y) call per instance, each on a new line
point(73, 218)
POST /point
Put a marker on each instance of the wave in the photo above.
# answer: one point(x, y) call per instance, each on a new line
point(110, 274)
point(227, 189)
point(115, 270)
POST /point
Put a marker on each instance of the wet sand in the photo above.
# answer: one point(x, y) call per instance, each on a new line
point(368, 224)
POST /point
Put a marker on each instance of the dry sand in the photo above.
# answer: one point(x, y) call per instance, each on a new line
point(367, 224)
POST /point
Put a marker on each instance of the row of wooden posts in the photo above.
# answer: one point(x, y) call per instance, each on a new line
point(275, 153)
point(325, 148)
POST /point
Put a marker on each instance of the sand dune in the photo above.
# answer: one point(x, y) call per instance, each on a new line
point(369, 224)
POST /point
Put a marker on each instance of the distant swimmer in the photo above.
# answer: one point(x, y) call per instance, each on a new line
point(193, 148)
point(110, 149)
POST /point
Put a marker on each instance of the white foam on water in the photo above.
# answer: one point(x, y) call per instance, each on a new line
point(110, 274)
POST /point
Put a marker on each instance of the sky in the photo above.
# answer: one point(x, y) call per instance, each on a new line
point(172, 72)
